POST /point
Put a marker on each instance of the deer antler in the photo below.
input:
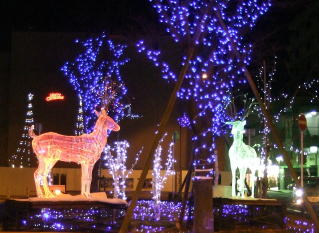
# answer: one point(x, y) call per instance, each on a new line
point(109, 94)
point(248, 109)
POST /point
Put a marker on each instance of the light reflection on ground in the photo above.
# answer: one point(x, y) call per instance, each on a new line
point(145, 218)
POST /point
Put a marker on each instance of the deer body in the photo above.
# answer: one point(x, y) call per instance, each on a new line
point(242, 157)
point(85, 150)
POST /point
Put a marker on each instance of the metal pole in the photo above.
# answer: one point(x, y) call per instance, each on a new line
point(301, 159)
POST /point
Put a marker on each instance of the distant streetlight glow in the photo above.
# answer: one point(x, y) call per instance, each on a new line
point(299, 202)
point(313, 149)
point(311, 114)
point(279, 158)
point(204, 76)
point(299, 193)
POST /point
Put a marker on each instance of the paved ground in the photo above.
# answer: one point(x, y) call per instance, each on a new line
point(286, 197)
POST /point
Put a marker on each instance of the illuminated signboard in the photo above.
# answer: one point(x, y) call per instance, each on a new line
point(53, 96)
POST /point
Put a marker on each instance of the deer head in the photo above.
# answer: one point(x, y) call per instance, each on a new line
point(237, 127)
point(110, 123)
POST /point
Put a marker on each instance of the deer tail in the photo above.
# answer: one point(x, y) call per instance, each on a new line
point(31, 132)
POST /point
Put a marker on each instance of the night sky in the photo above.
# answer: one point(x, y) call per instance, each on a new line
point(274, 34)
point(277, 33)
point(128, 18)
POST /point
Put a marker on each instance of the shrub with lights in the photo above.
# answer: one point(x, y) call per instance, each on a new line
point(115, 157)
point(159, 176)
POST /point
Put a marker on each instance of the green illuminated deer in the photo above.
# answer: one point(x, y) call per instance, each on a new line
point(242, 156)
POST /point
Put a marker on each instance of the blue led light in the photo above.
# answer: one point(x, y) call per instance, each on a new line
point(184, 121)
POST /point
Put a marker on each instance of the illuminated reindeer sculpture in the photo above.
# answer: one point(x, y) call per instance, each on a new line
point(85, 150)
point(242, 156)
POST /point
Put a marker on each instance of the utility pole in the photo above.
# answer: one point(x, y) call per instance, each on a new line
point(302, 123)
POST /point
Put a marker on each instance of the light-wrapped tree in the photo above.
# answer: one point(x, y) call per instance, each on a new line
point(115, 160)
point(23, 155)
point(160, 173)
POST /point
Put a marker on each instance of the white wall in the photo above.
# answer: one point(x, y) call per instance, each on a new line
point(15, 182)
point(168, 187)
point(18, 182)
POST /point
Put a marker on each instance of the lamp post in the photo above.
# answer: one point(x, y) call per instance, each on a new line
point(302, 123)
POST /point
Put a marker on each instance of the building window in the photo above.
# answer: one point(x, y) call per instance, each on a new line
point(59, 179)
point(56, 179)
point(63, 179)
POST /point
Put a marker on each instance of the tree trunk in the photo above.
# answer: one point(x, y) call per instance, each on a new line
point(203, 206)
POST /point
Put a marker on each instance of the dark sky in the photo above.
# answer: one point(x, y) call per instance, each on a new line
point(131, 18)
point(125, 17)
point(134, 17)
point(113, 16)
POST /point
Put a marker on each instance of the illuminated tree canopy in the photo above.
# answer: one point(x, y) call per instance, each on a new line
point(216, 30)
point(96, 72)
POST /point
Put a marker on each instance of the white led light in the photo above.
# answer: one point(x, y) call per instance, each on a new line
point(279, 158)
point(57, 192)
point(308, 115)
point(313, 149)
point(299, 201)
point(204, 76)
point(299, 192)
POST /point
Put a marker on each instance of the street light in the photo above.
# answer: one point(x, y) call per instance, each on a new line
point(204, 76)
point(279, 158)
point(313, 149)
point(299, 195)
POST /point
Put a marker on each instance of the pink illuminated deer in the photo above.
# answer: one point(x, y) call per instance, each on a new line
point(85, 150)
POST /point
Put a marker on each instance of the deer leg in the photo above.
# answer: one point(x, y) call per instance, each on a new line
point(49, 163)
point(89, 180)
point(38, 177)
point(233, 183)
point(242, 181)
point(252, 178)
point(86, 179)
point(83, 178)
